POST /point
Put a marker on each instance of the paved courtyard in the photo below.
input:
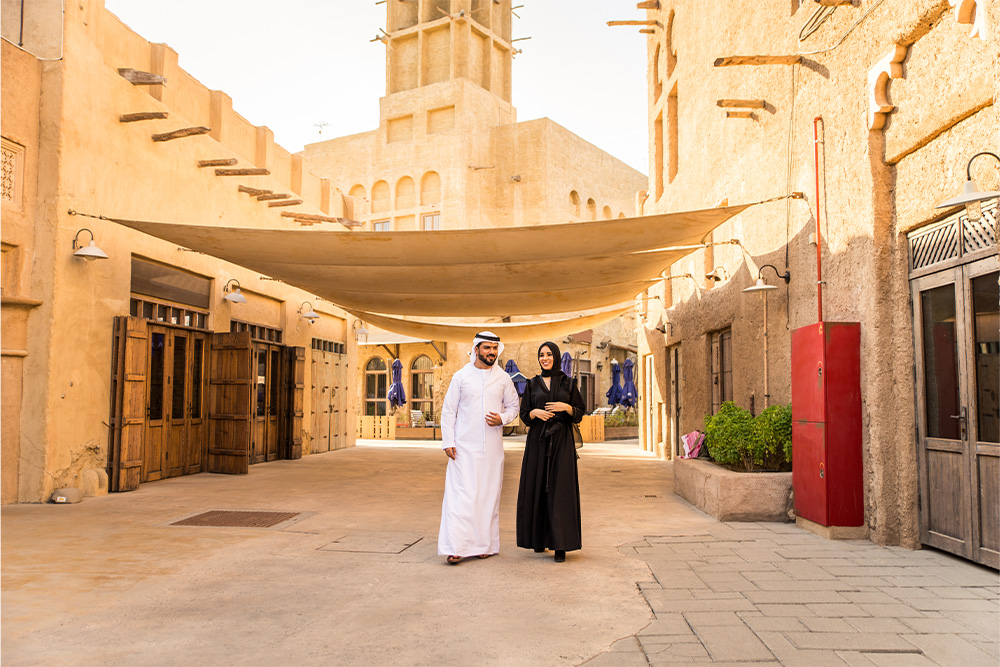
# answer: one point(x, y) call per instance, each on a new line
point(354, 578)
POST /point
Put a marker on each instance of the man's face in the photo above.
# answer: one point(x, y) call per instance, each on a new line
point(487, 353)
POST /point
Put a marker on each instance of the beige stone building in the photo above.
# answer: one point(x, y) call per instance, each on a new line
point(449, 153)
point(146, 365)
point(901, 95)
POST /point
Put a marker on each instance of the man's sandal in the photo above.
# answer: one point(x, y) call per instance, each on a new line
point(453, 560)
point(484, 555)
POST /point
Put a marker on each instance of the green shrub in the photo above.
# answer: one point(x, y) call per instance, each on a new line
point(774, 433)
point(622, 418)
point(727, 434)
point(737, 439)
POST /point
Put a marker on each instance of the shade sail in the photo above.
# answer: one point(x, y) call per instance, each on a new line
point(509, 332)
point(443, 247)
point(563, 268)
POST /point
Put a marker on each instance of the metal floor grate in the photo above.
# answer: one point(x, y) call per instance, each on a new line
point(236, 519)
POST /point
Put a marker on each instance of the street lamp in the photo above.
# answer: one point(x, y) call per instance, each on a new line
point(971, 195)
point(761, 286)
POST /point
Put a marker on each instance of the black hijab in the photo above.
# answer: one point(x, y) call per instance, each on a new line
point(556, 369)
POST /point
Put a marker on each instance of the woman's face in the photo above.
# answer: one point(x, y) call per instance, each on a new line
point(545, 359)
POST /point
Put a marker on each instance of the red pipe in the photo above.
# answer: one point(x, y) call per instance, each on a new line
point(819, 239)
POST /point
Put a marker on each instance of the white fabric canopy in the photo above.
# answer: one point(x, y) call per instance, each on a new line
point(486, 273)
point(509, 332)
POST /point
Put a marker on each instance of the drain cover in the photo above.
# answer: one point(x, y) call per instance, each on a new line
point(236, 519)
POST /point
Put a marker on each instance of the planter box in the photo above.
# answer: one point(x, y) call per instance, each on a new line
point(620, 432)
point(734, 496)
point(417, 433)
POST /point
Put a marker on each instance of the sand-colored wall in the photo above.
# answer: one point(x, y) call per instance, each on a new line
point(875, 186)
point(90, 162)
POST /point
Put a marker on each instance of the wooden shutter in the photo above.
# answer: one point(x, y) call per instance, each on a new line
point(230, 395)
point(295, 368)
point(129, 402)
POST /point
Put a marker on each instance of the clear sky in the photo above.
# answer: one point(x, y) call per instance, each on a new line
point(290, 65)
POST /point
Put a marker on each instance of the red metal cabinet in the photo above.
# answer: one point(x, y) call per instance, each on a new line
point(826, 423)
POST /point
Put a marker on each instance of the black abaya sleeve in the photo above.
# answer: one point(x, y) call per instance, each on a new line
point(576, 400)
point(526, 405)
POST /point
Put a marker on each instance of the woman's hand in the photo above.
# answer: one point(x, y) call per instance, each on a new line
point(544, 415)
point(559, 406)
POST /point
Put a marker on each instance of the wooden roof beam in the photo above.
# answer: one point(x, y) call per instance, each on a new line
point(730, 61)
point(221, 162)
point(739, 114)
point(648, 4)
point(242, 172)
point(144, 115)
point(253, 192)
point(310, 218)
point(643, 23)
point(180, 134)
point(741, 104)
point(287, 202)
point(140, 78)
point(269, 196)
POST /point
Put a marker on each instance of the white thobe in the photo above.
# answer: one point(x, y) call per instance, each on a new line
point(470, 512)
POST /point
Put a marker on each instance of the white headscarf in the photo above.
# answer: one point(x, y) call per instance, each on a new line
point(486, 337)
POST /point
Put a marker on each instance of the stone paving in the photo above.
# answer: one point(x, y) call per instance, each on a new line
point(355, 578)
point(742, 594)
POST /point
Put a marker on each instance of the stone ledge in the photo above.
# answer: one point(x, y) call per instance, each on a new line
point(733, 496)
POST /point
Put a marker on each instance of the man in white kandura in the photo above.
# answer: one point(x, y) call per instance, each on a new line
point(480, 400)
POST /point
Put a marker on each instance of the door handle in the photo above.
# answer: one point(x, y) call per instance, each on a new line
point(962, 416)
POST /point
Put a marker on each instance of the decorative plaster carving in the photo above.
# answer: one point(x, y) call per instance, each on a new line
point(972, 12)
point(888, 68)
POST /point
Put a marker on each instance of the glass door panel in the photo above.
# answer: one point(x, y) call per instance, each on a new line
point(940, 343)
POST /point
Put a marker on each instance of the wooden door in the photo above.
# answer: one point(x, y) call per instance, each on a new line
point(154, 452)
point(266, 436)
point(176, 414)
point(196, 454)
point(293, 404)
point(128, 403)
point(230, 400)
point(338, 403)
point(957, 348)
point(323, 388)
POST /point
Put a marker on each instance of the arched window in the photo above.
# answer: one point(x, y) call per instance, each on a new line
point(360, 196)
point(380, 197)
point(607, 213)
point(621, 214)
point(376, 387)
point(422, 386)
point(406, 193)
point(430, 189)
point(591, 209)
point(574, 202)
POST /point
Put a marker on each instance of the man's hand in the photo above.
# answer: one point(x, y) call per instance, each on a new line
point(493, 419)
point(450, 451)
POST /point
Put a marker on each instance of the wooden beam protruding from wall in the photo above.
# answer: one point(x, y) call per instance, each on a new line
point(270, 196)
point(144, 115)
point(287, 202)
point(648, 4)
point(647, 31)
point(140, 78)
point(740, 104)
point(310, 218)
point(180, 134)
point(642, 22)
point(243, 172)
point(221, 162)
point(739, 114)
point(253, 192)
point(757, 60)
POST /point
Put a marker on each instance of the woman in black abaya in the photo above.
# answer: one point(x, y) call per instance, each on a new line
point(548, 499)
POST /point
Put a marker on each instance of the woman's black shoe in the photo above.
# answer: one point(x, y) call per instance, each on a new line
point(560, 556)
point(540, 551)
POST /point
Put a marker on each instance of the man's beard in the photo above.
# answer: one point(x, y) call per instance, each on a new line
point(486, 360)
